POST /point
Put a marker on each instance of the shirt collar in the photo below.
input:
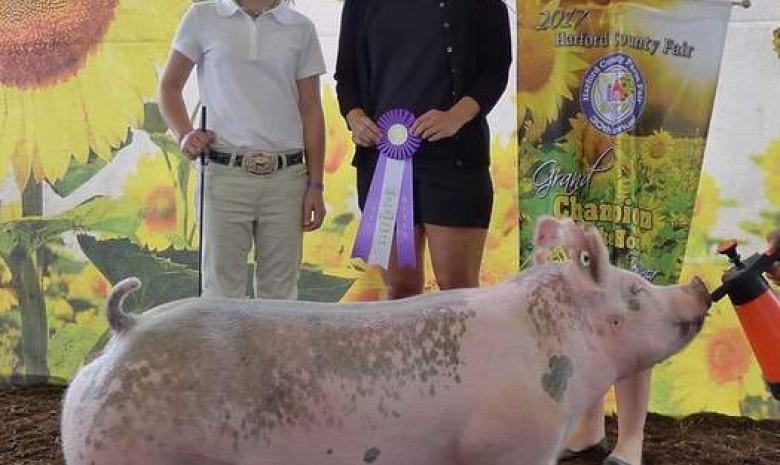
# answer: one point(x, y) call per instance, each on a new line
point(282, 13)
point(226, 7)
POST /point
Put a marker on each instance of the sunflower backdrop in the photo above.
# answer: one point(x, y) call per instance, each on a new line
point(92, 188)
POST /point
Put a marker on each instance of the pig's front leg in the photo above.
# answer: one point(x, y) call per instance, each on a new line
point(519, 456)
point(522, 435)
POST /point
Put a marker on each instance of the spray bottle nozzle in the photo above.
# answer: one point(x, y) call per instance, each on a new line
point(729, 249)
point(745, 280)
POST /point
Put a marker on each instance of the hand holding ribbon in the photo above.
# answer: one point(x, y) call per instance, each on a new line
point(365, 132)
point(435, 125)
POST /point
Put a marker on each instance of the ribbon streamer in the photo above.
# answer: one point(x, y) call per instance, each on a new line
point(389, 210)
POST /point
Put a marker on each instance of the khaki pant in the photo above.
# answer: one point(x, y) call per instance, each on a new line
point(241, 210)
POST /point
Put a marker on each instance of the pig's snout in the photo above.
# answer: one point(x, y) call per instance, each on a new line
point(698, 290)
point(690, 327)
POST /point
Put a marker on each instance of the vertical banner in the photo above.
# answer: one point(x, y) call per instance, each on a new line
point(614, 104)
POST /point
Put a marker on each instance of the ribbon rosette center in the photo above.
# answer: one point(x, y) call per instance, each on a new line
point(398, 134)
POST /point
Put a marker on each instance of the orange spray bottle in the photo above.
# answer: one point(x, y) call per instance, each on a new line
point(757, 306)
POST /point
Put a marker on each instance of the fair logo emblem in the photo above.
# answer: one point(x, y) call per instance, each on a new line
point(612, 95)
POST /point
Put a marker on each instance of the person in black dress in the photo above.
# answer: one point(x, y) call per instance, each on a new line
point(446, 61)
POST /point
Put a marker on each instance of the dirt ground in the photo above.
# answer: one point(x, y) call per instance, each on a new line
point(29, 435)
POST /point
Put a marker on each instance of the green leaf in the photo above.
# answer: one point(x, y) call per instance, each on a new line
point(165, 142)
point(98, 214)
point(153, 120)
point(170, 275)
point(8, 241)
point(759, 407)
point(163, 280)
point(69, 346)
point(316, 286)
point(188, 258)
point(116, 216)
point(339, 224)
point(78, 174)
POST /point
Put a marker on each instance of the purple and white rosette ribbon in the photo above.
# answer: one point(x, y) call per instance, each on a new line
point(389, 209)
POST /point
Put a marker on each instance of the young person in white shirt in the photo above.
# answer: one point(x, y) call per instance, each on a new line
point(258, 67)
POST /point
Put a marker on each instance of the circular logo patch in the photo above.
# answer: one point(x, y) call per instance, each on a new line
point(612, 94)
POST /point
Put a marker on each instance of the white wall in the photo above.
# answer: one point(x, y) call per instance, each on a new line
point(746, 115)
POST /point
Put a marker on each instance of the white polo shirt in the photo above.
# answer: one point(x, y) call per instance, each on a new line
point(247, 71)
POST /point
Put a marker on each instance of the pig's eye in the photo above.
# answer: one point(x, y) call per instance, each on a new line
point(585, 258)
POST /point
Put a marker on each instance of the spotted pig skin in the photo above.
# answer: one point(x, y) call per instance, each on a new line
point(490, 376)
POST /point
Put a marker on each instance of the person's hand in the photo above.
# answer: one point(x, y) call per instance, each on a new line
point(365, 132)
point(313, 209)
point(773, 239)
point(195, 142)
point(435, 125)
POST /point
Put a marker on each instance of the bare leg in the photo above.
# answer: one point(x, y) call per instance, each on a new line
point(405, 282)
point(456, 255)
point(633, 397)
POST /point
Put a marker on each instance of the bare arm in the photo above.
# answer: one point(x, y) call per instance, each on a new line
point(310, 107)
point(174, 111)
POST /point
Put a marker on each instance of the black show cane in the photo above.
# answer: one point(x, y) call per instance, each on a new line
point(200, 202)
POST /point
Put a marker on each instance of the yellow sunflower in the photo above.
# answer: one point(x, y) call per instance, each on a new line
point(166, 219)
point(501, 248)
point(659, 145)
point(331, 245)
point(718, 369)
point(74, 76)
point(545, 73)
point(367, 288)
point(90, 284)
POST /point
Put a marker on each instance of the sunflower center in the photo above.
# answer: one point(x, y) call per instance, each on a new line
point(535, 61)
point(43, 42)
point(100, 288)
point(728, 356)
point(161, 209)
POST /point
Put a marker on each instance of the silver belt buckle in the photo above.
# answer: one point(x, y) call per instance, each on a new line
point(260, 163)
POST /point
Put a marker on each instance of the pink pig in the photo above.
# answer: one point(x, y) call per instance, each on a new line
point(490, 376)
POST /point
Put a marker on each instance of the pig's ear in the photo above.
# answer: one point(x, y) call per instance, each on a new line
point(547, 232)
point(594, 255)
